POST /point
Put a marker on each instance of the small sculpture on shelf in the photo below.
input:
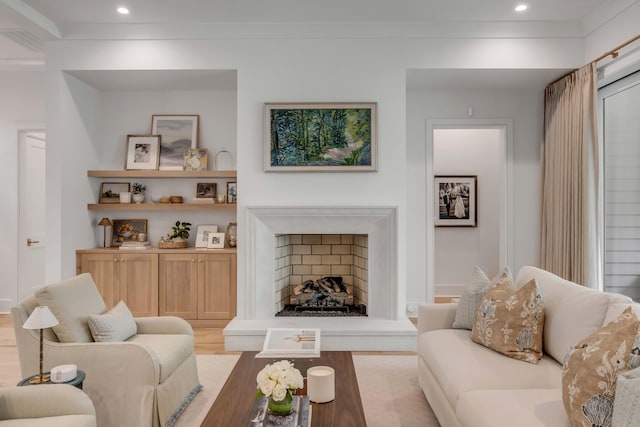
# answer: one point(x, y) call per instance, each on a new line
point(138, 190)
point(179, 237)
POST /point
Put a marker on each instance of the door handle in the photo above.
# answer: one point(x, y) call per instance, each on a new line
point(32, 242)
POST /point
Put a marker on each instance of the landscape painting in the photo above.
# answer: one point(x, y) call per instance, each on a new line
point(178, 133)
point(320, 137)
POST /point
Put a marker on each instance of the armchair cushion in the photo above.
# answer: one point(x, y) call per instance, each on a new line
point(72, 301)
point(116, 324)
point(170, 350)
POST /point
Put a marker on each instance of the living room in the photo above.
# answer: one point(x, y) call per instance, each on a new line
point(97, 87)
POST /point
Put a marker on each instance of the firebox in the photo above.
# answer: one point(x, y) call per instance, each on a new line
point(321, 274)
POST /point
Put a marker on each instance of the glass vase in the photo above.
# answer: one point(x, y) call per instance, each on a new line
point(223, 160)
point(282, 407)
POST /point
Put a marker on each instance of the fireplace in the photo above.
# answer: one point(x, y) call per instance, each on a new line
point(260, 294)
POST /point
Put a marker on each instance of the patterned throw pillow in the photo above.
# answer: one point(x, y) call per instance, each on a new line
point(472, 296)
point(511, 321)
point(591, 369)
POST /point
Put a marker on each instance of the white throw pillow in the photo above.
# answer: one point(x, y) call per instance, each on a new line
point(472, 296)
point(116, 324)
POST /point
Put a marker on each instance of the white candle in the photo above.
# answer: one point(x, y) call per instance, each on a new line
point(321, 384)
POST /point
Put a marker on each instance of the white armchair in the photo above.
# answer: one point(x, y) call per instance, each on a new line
point(49, 405)
point(146, 380)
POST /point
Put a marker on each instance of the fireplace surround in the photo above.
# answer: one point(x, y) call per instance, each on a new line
point(385, 327)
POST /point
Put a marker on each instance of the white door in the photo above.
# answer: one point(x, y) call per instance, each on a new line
point(32, 239)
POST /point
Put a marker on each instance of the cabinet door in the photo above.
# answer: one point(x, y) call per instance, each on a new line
point(216, 286)
point(103, 270)
point(178, 292)
point(139, 283)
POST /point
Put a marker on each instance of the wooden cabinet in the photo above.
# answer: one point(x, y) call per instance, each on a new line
point(132, 278)
point(195, 284)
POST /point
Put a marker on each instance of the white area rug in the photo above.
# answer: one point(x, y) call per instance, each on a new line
point(389, 389)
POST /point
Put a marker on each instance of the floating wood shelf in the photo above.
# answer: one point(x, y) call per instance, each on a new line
point(160, 174)
point(162, 206)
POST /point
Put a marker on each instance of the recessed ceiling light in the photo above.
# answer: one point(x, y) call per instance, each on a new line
point(521, 7)
point(123, 10)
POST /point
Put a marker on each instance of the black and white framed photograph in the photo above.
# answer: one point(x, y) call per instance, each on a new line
point(232, 192)
point(178, 133)
point(110, 191)
point(456, 200)
point(142, 152)
point(206, 190)
point(216, 241)
point(202, 238)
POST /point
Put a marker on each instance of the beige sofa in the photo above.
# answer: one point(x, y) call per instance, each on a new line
point(469, 385)
point(50, 405)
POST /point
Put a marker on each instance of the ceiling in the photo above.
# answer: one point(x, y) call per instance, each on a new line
point(26, 24)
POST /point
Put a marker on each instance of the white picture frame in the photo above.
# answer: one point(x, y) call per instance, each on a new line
point(143, 152)
point(216, 241)
point(202, 237)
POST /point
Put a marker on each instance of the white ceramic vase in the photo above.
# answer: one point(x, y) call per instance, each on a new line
point(138, 198)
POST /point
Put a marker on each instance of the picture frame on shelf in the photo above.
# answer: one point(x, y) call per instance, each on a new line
point(216, 241)
point(206, 191)
point(338, 137)
point(232, 192)
point(202, 237)
point(178, 132)
point(110, 191)
point(456, 200)
point(127, 230)
point(195, 159)
point(143, 152)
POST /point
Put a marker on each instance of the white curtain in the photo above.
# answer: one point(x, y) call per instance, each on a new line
point(569, 241)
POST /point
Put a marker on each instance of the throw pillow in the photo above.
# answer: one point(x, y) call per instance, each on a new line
point(511, 321)
point(117, 324)
point(591, 369)
point(472, 296)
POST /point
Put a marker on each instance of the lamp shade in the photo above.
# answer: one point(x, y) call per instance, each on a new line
point(41, 318)
point(105, 222)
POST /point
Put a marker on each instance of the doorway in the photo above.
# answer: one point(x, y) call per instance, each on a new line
point(31, 211)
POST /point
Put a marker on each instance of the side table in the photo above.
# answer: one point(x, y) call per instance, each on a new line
point(76, 382)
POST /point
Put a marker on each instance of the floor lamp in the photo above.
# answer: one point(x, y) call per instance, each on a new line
point(41, 318)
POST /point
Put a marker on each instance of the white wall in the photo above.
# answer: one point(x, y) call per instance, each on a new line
point(457, 249)
point(21, 107)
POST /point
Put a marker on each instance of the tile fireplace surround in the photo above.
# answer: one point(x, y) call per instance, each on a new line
point(384, 329)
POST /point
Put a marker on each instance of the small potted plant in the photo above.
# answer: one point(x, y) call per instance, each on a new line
point(177, 239)
point(138, 190)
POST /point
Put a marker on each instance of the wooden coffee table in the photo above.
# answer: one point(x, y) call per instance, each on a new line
point(233, 405)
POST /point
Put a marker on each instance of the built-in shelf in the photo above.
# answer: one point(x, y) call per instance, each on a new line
point(160, 174)
point(162, 206)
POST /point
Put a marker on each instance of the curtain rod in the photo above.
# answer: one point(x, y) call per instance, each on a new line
point(613, 53)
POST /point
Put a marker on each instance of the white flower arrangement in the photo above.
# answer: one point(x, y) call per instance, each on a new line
point(279, 379)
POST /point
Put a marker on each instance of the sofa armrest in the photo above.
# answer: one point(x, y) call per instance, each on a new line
point(46, 400)
point(163, 325)
point(436, 316)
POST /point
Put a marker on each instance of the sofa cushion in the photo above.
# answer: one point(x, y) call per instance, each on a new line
point(565, 305)
point(616, 310)
point(460, 365)
point(520, 407)
point(593, 365)
point(116, 324)
point(511, 321)
point(72, 301)
point(170, 350)
point(472, 296)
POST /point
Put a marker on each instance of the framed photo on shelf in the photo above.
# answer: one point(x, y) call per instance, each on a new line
point(195, 159)
point(125, 230)
point(338, 137)
point(202, 238)
point(456, 201)
point(178, 133)
point(232, 192)
point(206, 190)
point(216, 241)
point(110, 191)
point(142, 152)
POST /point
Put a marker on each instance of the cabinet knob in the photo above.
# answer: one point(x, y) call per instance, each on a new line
point(193, 260)
point(115, 260)
point(200, 261)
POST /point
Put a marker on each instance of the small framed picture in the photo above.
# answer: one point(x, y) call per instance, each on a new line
point(110, 191)
point(142, 152)
point(206, 190)
point(456, 201)
point(216, 241)
point(179, 133)
point(232, 192)
point(202, 238)
point(125, 230)
point(195, 159)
